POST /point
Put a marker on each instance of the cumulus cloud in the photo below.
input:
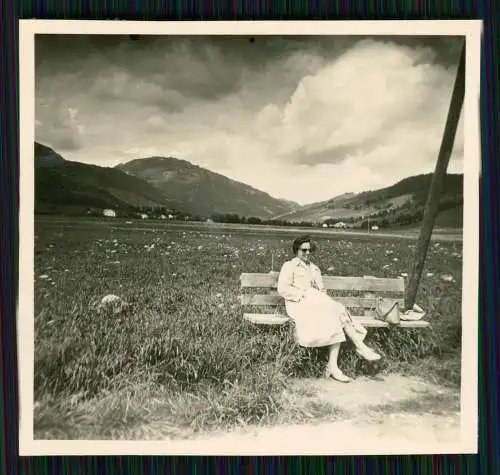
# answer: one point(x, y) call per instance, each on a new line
point(374, 97)
point(302, 119)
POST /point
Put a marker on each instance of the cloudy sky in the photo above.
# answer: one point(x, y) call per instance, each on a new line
point(304, 119)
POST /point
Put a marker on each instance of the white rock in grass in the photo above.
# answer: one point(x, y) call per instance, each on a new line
point(330, 269)
point(112, 303)
point(429, 274)
point(44, 276)
point(447, 278)
point(404, 274)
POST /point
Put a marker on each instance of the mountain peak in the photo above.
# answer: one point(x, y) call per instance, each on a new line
point(203, 191)
point(46, 156)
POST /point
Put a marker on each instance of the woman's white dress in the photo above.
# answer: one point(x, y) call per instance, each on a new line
point(319, 320)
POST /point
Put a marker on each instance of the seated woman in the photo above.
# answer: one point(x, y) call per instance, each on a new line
point(319, 320)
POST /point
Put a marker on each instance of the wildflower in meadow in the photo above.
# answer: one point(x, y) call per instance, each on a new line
point(112, 302)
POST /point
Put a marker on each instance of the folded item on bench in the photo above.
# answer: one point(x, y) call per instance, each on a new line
point(414, 314)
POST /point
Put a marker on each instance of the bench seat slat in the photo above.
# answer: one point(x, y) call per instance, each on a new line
point(366, 320)
point(266, 318)
point(271, 300)
point(367, 284)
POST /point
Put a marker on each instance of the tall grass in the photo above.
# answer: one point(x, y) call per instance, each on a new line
point(182, 349)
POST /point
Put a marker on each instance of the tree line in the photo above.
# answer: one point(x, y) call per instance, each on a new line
point(383, 218)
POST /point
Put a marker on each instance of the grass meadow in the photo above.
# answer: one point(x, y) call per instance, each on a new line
point(181, 359)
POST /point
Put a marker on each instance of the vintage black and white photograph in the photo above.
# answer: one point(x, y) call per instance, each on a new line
point(253, 239)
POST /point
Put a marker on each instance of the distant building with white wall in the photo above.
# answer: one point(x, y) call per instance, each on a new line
point(111, 213)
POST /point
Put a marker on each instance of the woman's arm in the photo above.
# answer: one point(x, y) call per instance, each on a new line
point(319, 280)
point(285, 284)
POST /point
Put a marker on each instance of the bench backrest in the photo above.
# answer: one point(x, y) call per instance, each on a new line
point(353, 292)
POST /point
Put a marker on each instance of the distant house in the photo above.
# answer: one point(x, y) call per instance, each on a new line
point(170, 216)
point(110, 213)
point(143, 216)
point(375, 228)
point(340, 225)
point(163, 216)
point(325, 225)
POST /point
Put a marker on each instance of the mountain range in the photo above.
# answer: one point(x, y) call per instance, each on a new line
point(405, 197)
point(146, 183)
point(63, 183)
point(171, 183)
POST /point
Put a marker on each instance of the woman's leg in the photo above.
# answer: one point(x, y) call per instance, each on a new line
point(355, 336)
point(361, 347)
point(332, 368)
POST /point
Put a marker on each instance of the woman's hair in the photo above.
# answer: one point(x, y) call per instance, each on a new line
point(301, 240)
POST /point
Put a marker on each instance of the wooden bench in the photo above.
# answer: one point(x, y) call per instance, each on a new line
point(358, 294)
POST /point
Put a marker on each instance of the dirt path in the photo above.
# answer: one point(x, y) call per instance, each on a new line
point(389, 414)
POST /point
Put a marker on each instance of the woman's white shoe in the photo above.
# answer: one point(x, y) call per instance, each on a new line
point(368, 354)
point(338, 376)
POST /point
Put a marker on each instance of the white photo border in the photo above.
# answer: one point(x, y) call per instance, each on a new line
point(470, 29)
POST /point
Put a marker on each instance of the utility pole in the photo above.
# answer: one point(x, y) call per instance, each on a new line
point(432, 204)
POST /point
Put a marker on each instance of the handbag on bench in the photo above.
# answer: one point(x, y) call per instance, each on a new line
point(387, 310)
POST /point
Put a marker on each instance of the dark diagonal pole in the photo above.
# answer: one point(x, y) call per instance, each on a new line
point(432, 204)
